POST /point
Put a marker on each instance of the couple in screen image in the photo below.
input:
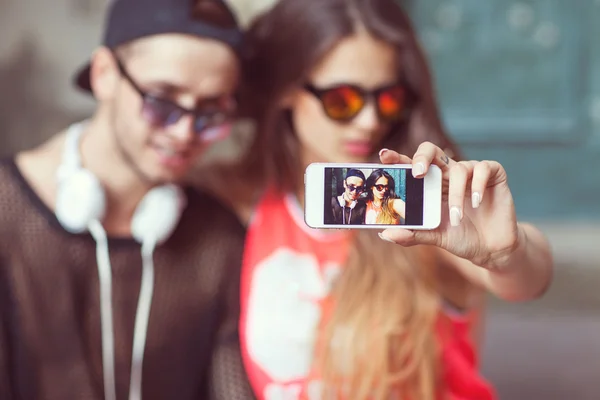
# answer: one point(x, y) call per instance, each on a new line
point(376, 200)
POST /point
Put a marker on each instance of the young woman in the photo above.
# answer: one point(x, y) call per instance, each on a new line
point(383, 205)
point(343, 313)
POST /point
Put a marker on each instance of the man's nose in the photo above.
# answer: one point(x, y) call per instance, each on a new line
point(183, 130)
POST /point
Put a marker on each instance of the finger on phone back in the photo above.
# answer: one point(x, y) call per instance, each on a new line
point(458, 181)
point(481, 176)
point(427, 154)
point(392, 157)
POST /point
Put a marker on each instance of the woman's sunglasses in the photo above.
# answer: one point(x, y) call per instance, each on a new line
point(345, 101)
point(381, 188)
point(162, 113)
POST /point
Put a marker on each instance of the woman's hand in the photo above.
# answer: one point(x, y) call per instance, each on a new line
point(478, 214)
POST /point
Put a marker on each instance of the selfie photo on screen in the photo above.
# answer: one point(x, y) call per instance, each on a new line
point(372, 196)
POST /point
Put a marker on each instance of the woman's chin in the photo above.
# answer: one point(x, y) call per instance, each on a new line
point(354, 159)
point(339, 157)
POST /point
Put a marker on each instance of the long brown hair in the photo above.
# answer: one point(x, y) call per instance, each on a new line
point(387, 300)
point(387, 215)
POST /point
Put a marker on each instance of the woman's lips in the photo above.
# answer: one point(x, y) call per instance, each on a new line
point(358, 147)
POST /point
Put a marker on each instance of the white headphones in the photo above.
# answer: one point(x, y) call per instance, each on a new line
point(80, 198)
point(342, 202)
point(81, 206)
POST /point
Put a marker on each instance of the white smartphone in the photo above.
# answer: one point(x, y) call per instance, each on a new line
point(371, 196)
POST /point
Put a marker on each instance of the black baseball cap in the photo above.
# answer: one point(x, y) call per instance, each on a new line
point(355, 172)
point(128, 20)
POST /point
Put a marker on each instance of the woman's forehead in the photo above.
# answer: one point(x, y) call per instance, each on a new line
point(359, 59)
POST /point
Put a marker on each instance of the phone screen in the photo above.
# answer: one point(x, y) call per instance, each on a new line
point(372, 196)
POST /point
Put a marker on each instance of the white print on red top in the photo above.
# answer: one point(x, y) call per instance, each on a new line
point(283, 313)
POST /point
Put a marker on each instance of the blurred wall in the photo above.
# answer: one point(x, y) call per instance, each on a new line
point(519, 82)
point(41, 45)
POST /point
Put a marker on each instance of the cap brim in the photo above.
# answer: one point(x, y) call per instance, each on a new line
point(82, 79)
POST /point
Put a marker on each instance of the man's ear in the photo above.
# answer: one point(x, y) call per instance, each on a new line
point(104, 74)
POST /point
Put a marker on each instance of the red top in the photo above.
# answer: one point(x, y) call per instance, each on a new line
point(286, 276)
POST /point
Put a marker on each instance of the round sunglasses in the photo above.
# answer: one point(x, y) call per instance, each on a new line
point(343, 102)
point(161, 112)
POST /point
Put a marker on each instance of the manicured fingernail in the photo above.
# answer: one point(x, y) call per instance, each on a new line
point(455, 216)
point(382, 151)
point(383, 237)
point(418, 169)
point(475, 199)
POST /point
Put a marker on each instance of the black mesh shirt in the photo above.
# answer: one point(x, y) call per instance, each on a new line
point(50, 333)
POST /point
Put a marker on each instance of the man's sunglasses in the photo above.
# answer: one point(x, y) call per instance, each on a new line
point(357, 189)
point(161, 112)
point(345, 101)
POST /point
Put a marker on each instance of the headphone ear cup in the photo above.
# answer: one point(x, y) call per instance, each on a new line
point(158, 213)
point(79, 200)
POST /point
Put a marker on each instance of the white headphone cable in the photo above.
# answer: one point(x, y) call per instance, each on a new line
point(106, 317)
point(142, 318)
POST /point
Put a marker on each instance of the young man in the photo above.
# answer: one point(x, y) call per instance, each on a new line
point(163, 326)
point(347, 208)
